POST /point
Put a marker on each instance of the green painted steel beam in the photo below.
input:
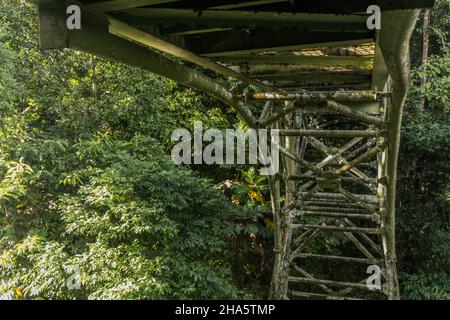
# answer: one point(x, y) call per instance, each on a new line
point(258, 41)
point(225, 50)
point(244, 4)
point(335, 6)
point(193, 31)
point(247, 19)
point(368, 107)
point(394, 43)
point(292, 87)
point(118, 5)
point(344, 61)
point(319, 81)
point(316, 76)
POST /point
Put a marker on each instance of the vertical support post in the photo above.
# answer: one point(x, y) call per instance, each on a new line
point(276, 287)
point(395, 117)
point(279, 287)
point(279, 274)
point(286, 237)
point(395, 35)
point(381, 192)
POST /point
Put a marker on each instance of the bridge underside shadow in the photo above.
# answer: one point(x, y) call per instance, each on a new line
point(313, 70)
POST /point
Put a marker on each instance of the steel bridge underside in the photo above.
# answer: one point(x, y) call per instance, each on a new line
point(312, 69)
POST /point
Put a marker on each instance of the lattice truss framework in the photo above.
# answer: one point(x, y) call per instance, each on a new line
point(335, 196)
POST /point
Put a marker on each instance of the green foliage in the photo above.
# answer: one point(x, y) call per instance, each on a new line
point(439, 32)
point(436, 92)
point(252, 238)
point(427, 287)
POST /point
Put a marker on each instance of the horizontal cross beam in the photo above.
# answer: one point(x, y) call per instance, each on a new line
point(311, 295)
point(247, 19)
point(243, 4)
point(117, 5)
point(336, 196)
point(329, 283)
point(336, 215)
point(330, 133)
point(315, 96)
point(359, 62)
point(335, 228)
point(332, 258)
point(242, 42)
point(335, 6)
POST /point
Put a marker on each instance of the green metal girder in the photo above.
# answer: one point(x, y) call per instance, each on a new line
point(117, 5)
point(350, 61)
point(247, 19)
point(241, 42)
point(333, 6)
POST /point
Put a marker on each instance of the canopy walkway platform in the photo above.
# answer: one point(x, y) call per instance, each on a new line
point(312, 69)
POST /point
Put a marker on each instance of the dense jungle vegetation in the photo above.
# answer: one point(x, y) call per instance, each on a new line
point(86, 180)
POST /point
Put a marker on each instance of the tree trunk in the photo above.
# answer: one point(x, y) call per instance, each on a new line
point(426, 46)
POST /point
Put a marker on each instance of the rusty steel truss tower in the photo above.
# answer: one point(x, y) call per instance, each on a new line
point(334, 89)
